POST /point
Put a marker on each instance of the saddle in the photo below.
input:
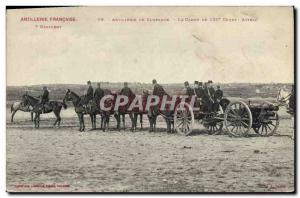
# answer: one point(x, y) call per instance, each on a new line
point(46, 107)
point(88, 107)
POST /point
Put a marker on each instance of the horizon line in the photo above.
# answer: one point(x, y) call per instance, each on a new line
point(107, 82)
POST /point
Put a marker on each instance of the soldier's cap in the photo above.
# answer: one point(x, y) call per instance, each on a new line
point(196, 82)
point(200, 83)
point(210, 81)
point(154, 81)
point(88, 82)
point(186, 83)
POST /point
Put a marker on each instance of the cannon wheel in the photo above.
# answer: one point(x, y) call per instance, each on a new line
point(216, 127)
point(268, 127)
point(184, 119)
point(238, 119)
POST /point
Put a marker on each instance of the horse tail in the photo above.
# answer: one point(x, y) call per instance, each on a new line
point(12, 107)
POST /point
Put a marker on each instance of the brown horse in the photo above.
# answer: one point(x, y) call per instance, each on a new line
point(37, 108)
point(91, 109)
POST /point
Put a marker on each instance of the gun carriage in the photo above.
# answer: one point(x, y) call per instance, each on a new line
point(237, 118)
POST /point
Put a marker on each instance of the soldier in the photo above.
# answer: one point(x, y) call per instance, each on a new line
point(189, 91)
point(158, 90)
point(99, 93)
point(126, 91)
point(211, 88)
point(199, 91)
point(208, 96)
point(90, 92)
point(88, 96)
point(44, 98)
point(196, 84)
point(218, 94)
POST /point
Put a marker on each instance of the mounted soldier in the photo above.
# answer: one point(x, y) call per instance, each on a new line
point(158, 90)
point(44, 98)
point(88, 95)
point(188, 90)
point(126, 91)
point(99, 93)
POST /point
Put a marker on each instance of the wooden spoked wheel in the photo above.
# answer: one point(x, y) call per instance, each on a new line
point(184, 119)
point(216, 125)
point(267, 125)
point(238, 119)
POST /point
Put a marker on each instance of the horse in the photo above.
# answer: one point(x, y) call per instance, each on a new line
point(155, 111)
point(283, 99)
point(19, 105)
point(105, 114)
point(121, 112)
point(37, 108)
point(80, 110)
point(286, 99)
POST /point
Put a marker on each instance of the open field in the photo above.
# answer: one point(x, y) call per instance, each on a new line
point(64, 159)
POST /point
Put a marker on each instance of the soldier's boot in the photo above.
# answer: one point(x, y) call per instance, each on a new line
point(84, 108)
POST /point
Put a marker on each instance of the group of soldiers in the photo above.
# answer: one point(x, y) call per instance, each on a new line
point(204, 92)
point(208, 98)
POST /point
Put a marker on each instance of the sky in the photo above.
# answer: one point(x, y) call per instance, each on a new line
point(259, 51)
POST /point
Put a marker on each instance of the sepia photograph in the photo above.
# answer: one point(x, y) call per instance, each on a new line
point(150, 99)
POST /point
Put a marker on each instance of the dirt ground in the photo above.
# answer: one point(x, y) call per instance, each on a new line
point(65, 159)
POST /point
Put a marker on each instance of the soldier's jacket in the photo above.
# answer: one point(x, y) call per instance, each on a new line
point(158, 90)
point(126, 91)
point(99, 93)
point(90, 93)
point(189, 91)
point(218, 94)
point(209, 93)
point(45, 97)
point(199, 92)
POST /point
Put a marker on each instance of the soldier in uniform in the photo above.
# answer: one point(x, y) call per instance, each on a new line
point(196, 85)
point(88, 96)
point(211, 88)
point(218, 94)
point(99, 93)
point(189, 91)
point(217, 98)
point(44, 97)
point(126, 91)
point(158, 90)
point(199, 91)
point(208, 96)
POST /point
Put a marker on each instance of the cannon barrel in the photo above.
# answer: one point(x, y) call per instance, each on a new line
point(266, 107)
